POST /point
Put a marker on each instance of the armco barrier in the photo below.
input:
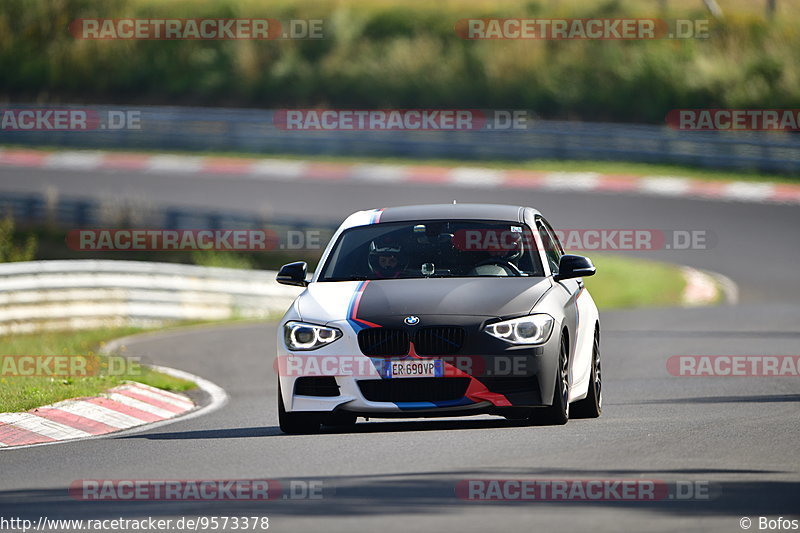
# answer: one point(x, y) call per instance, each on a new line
point(253, 130)
point(84, 213)
point(48, 295)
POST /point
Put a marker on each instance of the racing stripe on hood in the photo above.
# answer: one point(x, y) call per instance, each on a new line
point(352, 309)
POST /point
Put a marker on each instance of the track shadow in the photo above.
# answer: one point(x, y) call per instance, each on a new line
point(362, 427)
point(417, 493)
point(767, 398)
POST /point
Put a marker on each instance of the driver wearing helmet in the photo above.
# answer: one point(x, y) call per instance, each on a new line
point(385, 258)
point(502, 260)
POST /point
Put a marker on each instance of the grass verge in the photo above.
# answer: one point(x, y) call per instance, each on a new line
point(625, 282)
point(21, 393)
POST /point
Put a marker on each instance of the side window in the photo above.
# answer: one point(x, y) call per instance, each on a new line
point(552, 248)
point(554, 237)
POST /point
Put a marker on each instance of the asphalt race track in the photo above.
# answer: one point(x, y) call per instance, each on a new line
point(736, 436)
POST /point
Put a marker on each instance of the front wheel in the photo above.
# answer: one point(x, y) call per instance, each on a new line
point(592, 405)
point(296, 423)
point(558, 413)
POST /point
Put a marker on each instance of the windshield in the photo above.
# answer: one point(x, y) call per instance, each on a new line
point(450, 248)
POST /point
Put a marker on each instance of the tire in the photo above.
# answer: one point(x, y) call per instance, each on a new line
point(557, 414)
point(592, 405)
point(296, 423)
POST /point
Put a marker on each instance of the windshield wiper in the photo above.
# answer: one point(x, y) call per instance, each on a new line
point(348, 278)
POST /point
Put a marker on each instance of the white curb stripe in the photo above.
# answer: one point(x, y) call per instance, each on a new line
point(475, 177)
point(174, 163)
point(162, 392)
point(667, 186)
point(182, 404)
point(701, 289)
point(278, 169)
point(379, 173)
point(728, 287)
point(581, 181)
point(740, 190)
point(42, 426)
point(98, 413)
point(138, 404)
point(74, 160)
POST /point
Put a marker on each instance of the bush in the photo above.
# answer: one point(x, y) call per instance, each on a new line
point(402, 54)
point(10, 249)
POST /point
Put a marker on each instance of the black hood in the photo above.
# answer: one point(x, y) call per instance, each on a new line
point(485, 297)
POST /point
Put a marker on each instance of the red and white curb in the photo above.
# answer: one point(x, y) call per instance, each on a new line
point(707, 288)
point(124, 409)
point(475, 177)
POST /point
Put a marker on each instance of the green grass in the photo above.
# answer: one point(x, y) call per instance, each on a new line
point(624, 282)
point(24, 393)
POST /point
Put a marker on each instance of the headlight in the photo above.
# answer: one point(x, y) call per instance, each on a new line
point(302, 336)
point(533, 329)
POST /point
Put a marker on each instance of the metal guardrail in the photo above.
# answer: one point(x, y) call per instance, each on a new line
point(253, 130)
point(73, 213)
point(49, 295)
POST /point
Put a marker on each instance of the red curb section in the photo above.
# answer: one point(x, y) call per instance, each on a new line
point(13, 436)
point(125, 409)
point(75, 421)
point(91, 420)
point(142, 398)
point(762, 192)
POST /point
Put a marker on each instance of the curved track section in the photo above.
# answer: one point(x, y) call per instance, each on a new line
point(736, 436)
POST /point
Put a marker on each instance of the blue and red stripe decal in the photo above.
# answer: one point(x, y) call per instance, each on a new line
point(476, 391)
point(375, 217)
point(352, 309)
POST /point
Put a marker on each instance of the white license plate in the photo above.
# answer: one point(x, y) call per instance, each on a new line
point(414, 368)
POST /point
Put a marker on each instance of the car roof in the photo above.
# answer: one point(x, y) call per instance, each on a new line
point(511, 213)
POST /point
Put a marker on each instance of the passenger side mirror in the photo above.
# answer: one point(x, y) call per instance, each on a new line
point(293, 274)
point(574, 266)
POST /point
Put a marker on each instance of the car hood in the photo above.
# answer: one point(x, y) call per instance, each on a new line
point(486, 297)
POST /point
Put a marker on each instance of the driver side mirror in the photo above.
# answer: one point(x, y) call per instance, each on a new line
point(293, 274)
point(574, 266)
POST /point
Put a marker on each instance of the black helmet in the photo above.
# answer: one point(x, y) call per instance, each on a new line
point(512, 246)
point(385, 247)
